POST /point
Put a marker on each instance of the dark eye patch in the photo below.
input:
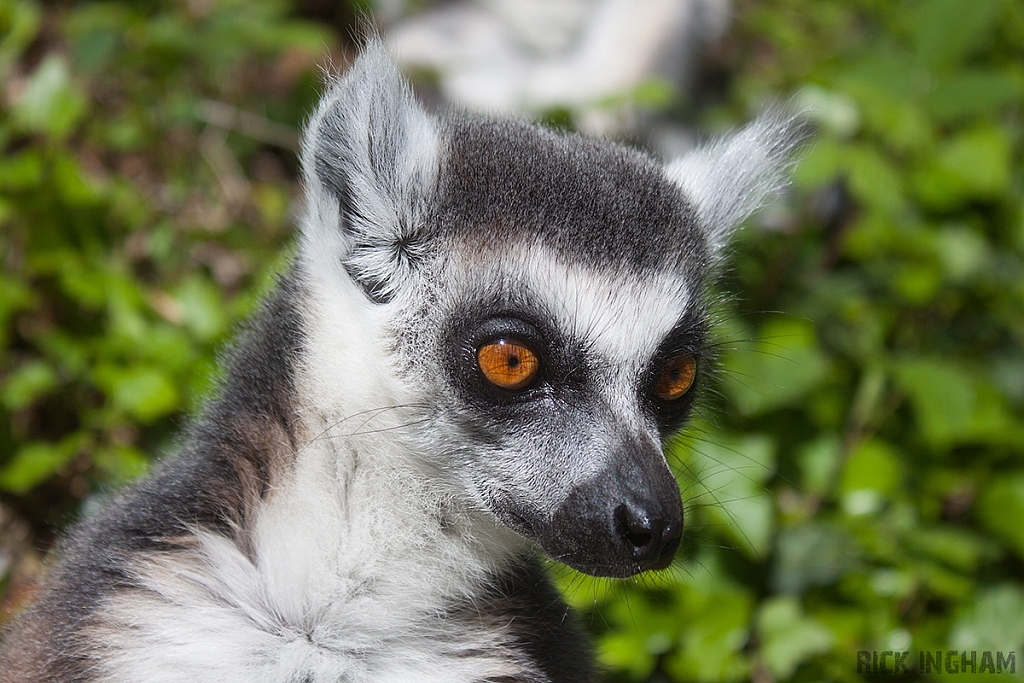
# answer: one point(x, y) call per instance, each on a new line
point(687, 338)
point(485, 322)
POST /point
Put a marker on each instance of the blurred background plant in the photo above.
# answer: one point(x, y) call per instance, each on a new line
point(857, 482)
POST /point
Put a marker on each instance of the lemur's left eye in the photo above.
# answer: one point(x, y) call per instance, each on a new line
point(508, 364)
point(677, 378)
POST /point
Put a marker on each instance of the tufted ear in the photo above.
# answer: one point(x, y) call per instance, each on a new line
point(732, 177)
point(372, 149)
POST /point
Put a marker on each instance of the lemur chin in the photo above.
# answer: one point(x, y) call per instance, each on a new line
point(487, 334)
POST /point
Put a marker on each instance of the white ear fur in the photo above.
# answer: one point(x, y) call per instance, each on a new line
point(732, 177)
point(372, 149)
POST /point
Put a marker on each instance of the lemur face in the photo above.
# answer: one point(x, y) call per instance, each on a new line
point(543, 295)
point(560, 384)
point(569, 330)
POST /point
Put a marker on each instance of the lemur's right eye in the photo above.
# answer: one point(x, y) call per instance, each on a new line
point(508, 364)
point(677, 378)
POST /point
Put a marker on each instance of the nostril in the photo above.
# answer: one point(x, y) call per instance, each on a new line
point(638, 529)
point(640, 539)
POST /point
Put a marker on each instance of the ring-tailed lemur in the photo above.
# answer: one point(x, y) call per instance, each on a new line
point(488, 332)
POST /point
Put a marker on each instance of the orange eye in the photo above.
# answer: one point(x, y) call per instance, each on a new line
point(676, 379)
point(507, 364)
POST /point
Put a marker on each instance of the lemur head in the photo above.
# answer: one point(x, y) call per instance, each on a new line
point(538, 294)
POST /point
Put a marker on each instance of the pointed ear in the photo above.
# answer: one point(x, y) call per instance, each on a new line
point(732, 177)
point(372, 149)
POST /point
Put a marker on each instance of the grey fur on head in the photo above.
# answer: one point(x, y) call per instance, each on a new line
point(374, 153)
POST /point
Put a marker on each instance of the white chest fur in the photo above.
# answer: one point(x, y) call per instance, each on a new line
point(352, 576)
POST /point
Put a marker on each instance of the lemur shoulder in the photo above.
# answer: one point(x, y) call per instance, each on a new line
point(486, 336)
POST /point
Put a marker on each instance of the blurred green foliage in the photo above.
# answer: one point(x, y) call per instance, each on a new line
point(145, 182)
point(858, 483)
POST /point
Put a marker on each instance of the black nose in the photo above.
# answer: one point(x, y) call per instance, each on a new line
point(652, 538)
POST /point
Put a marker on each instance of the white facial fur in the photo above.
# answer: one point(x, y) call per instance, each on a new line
point(616, 320)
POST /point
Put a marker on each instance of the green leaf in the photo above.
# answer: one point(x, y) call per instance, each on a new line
point(819, 460)
point(835, 112)
point(76, 187)
point(19, 25)
point(121, 463)
point(202, 308)
point(824, 162)
point(942, 394)
point(654, 93)
point(626, 651)
point(953, 404)
point(874, 180)
point(713, 624)
point(811, 555)
point(713, 638)
point(964, 253)
point(21, 171)
point(945, 31)
point(49, 104)
point(788, 637)
point(957, 548)
point(1001, 509)
point(36, 461)
point(652, 631)
point(583, 591)
point(943, 582)
point(995, 620)
point(86, 286)
point(872, 465)
point(872, 473)
point(26, 383)
point(980, 158)
point(143, 392)
point(916, 283)
point(14, 296)
point(782, 367)
point(892, 583)
point(973, 165)
point(974, 93)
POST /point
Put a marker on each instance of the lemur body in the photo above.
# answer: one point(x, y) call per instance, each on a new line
point(364, 499)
